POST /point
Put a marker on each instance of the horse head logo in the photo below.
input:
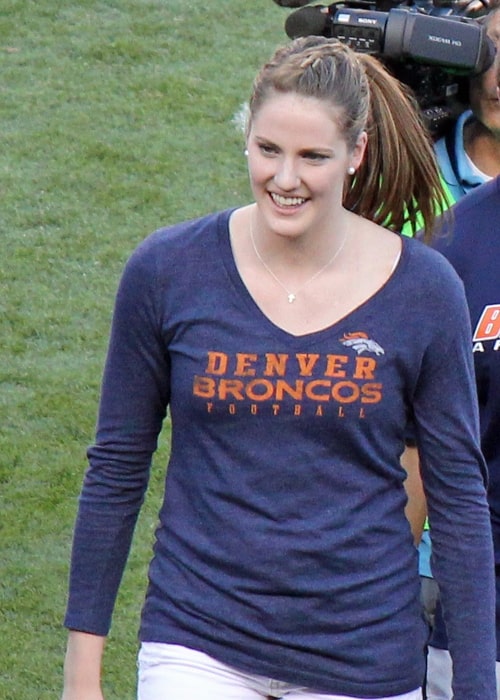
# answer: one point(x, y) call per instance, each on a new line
point(360, 342)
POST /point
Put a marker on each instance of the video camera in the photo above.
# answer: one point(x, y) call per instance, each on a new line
point(429, 45)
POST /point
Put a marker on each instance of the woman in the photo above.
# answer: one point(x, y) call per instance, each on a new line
point(284, 565)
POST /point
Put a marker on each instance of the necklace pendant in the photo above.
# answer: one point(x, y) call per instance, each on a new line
point(291, 298)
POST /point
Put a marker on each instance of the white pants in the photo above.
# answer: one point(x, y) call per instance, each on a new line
point(171, 672)
point(439, 674)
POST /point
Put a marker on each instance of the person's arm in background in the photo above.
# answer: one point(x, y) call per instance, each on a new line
point(416, 508)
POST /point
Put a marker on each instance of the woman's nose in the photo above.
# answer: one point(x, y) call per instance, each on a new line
point(286, 176)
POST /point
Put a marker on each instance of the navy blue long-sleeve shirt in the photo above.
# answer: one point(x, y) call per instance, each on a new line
point(282, 547)
point(474, 251)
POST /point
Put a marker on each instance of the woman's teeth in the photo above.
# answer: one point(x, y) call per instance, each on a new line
point(287, 201)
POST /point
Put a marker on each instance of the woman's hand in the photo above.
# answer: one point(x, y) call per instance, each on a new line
point(81, 695)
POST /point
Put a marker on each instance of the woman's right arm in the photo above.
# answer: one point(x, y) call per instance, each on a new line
point(133, 403)
point(82, 667)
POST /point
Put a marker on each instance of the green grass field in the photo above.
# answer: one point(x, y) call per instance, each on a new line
point(116, 117)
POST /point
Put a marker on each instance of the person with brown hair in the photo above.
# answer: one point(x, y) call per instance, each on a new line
point(277, 335)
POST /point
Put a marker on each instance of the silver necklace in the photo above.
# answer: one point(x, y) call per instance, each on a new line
point(293, 295)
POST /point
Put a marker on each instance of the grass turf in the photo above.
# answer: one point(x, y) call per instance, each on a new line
point(116, 117)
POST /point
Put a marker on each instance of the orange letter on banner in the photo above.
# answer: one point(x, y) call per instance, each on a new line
point(230, 387)
point(259, 390)
point(318, 383)
point(243, 364)
point(275, 364)
point(488, 327)
point(351, 395)
point(306, 363)
point(217, 363)
point(284, 388)
point(365, 368)
point(371, 393)
point(204, 387)
point(333, 366)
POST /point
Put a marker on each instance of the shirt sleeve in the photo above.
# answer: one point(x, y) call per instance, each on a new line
point(134, 397)
point(454, 475)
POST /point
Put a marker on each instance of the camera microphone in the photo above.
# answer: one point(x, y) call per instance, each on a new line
point(291, 3)
point(308, 21)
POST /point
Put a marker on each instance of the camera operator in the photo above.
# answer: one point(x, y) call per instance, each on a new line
point(469, 153)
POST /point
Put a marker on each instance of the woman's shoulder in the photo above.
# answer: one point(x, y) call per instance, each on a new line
point(184, 236)
point(429, 272)
point(170, 250)
point(416, 258)
point(424, 256)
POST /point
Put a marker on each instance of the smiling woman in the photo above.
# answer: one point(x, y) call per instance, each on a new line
point(312, 169)
point(274, 333)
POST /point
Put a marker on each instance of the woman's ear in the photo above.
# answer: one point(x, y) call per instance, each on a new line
point(358, 151)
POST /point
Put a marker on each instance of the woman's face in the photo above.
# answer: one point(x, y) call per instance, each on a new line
point(483, 91)
point(298, 160)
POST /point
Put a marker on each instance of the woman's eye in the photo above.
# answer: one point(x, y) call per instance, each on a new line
point(315, 156)
point(267, 149)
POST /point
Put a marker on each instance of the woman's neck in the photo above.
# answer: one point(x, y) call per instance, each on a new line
point(308, 249)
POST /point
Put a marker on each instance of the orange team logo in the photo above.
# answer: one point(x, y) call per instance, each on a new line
point(361, 343)
point(488, 326)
